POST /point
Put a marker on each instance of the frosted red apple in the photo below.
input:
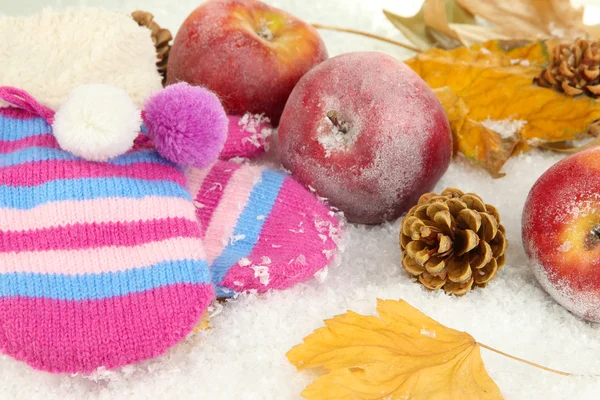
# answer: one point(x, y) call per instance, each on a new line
point(561, 232)
point(250, 54)
point(366, 132)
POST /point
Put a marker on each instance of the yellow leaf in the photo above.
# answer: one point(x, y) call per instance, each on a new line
point(493, 83)
point(402, 354)
point(203, 324)
point(473, 139)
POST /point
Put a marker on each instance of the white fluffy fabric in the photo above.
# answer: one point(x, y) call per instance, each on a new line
point(97, 122)
point(50, 53)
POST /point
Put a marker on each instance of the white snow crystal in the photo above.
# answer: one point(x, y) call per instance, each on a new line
point(251, 123)
point(265, 260)
point(427, 333)
point(244, 262)
point(236, 238)
point(262, 273)
point(566, 246)
point(321, 275)
point(506, 127)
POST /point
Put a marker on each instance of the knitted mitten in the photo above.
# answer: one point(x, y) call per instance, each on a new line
point(247, 136)
point(261, 229)
point(101, 264)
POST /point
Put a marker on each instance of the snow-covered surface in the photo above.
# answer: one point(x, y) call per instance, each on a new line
point(243, 355)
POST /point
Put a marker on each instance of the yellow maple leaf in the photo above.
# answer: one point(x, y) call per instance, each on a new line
point(492, 83)
point(402, 354)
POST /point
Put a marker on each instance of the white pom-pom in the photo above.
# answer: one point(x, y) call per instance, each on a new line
point(97, 122)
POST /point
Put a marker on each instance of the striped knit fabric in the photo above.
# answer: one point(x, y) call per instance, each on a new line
point(261, 229)
point(101, 264)
point(247, 136)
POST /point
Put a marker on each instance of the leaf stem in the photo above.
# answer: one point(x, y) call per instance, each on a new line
point(369, 35)
point(554, 371)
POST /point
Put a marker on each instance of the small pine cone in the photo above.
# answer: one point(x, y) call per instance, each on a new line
point(453, 241)
point(160, 37)
point(574, 69)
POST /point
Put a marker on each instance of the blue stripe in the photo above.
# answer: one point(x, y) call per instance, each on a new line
point(27, 197)
point(248, 227)
point(103, 285)
point(32, 154)
point(12, 129)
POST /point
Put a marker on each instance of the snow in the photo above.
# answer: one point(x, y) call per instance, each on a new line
point(506, 128)
point(243, 354)
point(251, 123)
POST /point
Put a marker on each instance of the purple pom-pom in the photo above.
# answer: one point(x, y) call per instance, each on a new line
point(187, 124)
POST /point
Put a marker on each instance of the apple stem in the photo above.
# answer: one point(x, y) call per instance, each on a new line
point(334, 117)
point(593, 238)
point(369, 35)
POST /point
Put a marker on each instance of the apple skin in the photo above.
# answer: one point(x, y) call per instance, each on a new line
point(561, 232)
point(223, 46)
point(398, 142)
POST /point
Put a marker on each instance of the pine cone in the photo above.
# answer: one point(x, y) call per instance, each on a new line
point(453, 240)
point(161, 38)
point(574, 69)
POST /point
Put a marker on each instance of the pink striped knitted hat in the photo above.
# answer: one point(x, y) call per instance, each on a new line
point(101, 264)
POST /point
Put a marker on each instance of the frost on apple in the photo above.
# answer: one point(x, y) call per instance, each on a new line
point(366, 133)
point(247, 52)
point(561, 232)
point(337, 133)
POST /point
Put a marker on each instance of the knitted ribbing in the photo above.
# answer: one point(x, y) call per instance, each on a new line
point(101, 264)
point(261, 229)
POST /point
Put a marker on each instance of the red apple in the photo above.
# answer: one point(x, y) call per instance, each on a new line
point(366, 132)
point(250, 54)
point(561, 232)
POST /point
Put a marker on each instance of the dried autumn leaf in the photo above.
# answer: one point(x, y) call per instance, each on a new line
point(413, 28)
point(450, 23)
point(522, 19)
point(431, 26)
point(493, 83)
point(403, 354)
point(477, 142)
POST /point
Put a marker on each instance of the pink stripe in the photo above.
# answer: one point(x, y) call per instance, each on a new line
point(295, 239)
point(13, 112)
point(36, 173)
point(211, 192)
point(47, 140)
point(244, 140)
point(80, 336)
point(81, 236)
point(102, 259)
point(195, 177)
point(95, 211)
point(232, 203)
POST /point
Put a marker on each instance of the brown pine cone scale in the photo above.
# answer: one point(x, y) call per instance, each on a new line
point(574, 69)
point(160, 37)
point(452, 241)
